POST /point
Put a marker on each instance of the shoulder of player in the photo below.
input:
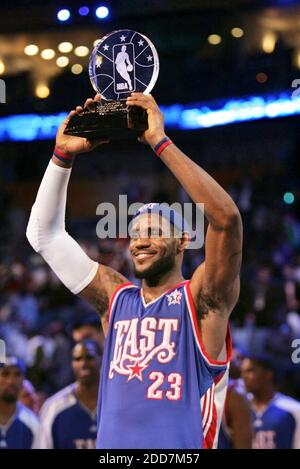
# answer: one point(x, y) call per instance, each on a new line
point(28, 418)
point(100, 290)
point(288, 404)
point(237, 399)
point(59, 402)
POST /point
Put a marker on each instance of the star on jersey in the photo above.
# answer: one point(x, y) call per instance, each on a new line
point(122, 38)
point(149, 58)
point(174, 298)
point(136, 371)
point(141, 43)
point(106, 47)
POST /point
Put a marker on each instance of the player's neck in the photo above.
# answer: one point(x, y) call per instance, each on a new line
point(151, 292)
point(261, 399)
point(88, 395)
point(7, 410)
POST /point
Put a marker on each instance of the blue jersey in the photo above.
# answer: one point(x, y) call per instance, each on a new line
point(158, 387)
point(278, 426)
point(66, 423)
point(21, 431)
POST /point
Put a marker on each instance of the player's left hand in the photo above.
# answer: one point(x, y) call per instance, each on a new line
point(156, 131)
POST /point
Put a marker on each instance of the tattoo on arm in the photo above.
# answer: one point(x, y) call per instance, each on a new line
point(99, 294)
point(205, 304)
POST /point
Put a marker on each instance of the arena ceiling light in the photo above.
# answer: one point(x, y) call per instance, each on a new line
point(76, 69)
point(65, 47)
point(63, 14)
point(47, 54)
point(31, 49)
point(237, 32)
point(102, 12)
point(81, 51)
point(83, 11)
point(62, 61)
point(214, 39)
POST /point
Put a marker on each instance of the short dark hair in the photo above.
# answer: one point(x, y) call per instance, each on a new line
point(92, 321)
point(89, 343)
point(263, 360)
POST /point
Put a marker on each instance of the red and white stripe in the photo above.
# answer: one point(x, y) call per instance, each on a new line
point(212, 403)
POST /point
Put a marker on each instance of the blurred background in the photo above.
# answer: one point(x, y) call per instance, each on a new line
point(226, 84)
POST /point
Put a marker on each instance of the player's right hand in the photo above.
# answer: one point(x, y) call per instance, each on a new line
point(75, 145)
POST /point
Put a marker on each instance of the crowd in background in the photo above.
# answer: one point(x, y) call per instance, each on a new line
point(37, 311)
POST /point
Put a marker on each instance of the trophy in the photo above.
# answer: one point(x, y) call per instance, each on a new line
point(122, 62)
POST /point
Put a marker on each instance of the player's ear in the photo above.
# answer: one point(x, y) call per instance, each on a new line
point(183, 241)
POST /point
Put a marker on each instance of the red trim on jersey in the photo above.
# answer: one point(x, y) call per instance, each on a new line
point(207, 405)
point(210, 435)
point(178, 285)
point(219, 377)
point(198, 334)
point(114, 296)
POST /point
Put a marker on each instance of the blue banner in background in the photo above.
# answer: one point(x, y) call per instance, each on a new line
point(29, 127)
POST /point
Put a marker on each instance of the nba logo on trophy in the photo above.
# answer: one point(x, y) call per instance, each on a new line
point(124, 78)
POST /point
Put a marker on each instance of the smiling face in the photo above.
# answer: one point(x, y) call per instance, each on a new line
point(154, 249)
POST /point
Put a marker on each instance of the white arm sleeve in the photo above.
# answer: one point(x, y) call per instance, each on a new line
point(47, 235)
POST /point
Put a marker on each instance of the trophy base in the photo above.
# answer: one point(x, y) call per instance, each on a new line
point(113, 120)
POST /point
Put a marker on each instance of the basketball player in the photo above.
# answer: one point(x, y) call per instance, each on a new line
point(18, 425)
point(163, 380)
point(68, 419)
point(276, 417)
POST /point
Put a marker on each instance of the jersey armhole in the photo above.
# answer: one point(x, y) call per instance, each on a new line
point(114, 296)
point(197, 333)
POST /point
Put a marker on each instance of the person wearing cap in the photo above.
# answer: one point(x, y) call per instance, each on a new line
point(69, 418)
point(19, 426)
point(165, 365)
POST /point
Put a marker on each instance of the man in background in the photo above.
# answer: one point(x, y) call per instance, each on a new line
point(89, 327)
point(276, 417)
point(18, 425)
point(68, 419)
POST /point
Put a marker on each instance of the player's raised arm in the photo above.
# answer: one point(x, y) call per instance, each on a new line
point(215, 284)
point(46, 227)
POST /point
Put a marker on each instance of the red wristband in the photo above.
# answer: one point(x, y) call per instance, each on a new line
point(67, 157)
point(164, 143)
